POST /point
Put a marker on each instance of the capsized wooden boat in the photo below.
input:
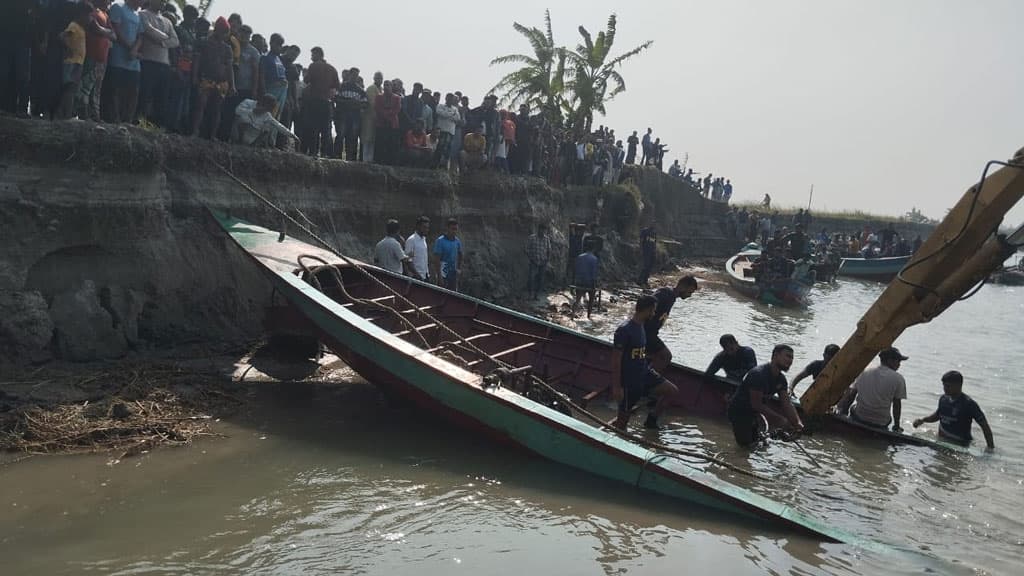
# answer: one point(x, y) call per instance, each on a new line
point(780, 292)
point(881, 269)
point(440, 375)
point(843, 424)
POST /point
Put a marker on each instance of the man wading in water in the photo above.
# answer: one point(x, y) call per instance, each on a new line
point(632, 376)
point(750, 401)
point(957, 411)
point(657, 353)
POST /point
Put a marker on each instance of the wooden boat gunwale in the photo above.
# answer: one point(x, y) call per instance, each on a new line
point(883, 268)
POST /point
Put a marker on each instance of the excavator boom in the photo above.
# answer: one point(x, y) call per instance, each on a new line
point(961, 252)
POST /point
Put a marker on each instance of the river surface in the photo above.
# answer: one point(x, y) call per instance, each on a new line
point(329, 479)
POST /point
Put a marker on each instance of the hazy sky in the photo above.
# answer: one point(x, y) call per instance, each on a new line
point(883, 105)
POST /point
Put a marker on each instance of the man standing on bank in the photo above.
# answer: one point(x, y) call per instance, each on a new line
point(957, 411)
point(875, 390)
point(632, 376)
point(416, 249)
point(388, 253)
point(657, 353)
point(751, 400)
point(736, 360)
point(538, 252)
point(448, 257)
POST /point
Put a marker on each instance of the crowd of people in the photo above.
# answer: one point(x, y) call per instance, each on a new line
point(717, 189)
point(787, 249)
point(147, 62)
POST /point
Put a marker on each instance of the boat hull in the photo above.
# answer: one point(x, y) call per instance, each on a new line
point(880, 269)
point(846, 426)
point(434, 382)
point(786, 292)
point(1009, 278)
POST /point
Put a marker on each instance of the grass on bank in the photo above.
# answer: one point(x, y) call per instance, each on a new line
point(846, 215)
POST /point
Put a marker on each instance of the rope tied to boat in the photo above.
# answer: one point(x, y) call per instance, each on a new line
point(311, 273)
point(469, 346)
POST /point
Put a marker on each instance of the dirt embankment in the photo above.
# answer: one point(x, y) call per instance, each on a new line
point(109, 248)
point(110, 256)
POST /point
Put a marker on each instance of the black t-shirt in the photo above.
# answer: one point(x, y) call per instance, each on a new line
point(648, 242)
point(956, 414)
point(798, 243)
point(666, 298)
point(736, 365)
point(759, 378)
point(815, 368)
point(631, 342)
point(632, 141)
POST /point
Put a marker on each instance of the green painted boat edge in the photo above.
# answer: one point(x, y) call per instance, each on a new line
point(248, 236)
point(872, 267)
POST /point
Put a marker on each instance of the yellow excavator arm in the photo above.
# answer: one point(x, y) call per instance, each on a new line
point(962, 251)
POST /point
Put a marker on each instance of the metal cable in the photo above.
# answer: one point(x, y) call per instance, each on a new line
point(976, 190)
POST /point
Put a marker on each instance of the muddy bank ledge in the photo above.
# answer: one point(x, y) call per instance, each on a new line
point(109, 249)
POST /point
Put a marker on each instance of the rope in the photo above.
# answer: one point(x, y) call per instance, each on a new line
point(470, 347)
point(311, 273)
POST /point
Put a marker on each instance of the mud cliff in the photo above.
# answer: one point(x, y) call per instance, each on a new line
point(108, 246)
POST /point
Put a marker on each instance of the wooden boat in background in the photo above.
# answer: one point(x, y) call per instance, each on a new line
point(386, 346)
point(780, 292)
point(1009, 276)
point(880, 269)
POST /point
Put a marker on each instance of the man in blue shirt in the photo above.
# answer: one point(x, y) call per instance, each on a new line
point(736, 360)
point(957, 412)
point(632, 376)
point(448, 256)
point(586, 279)
point(750, 402)
point(123, 65)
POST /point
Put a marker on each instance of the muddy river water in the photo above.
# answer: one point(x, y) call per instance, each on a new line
point(334, 479)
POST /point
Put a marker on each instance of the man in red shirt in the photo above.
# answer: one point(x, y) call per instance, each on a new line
point(97, 44)
point(386, 107)
point(417, 149)
point(321, 85)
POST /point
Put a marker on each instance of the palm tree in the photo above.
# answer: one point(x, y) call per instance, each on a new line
point(594, 72)
point(204, 6)
point(540, 83)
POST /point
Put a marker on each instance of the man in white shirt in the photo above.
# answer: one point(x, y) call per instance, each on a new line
point(447, 120)
point(158, 36)
point(255, 124)
point(876, 391)
point(416, 249)
point(388, 253)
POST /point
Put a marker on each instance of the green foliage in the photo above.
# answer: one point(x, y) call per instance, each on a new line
point(540, 82)
point(917, 217)
point(849, 215)
point(204, 6)
point(575, 83)
point(622, 207)
point(596, 80)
